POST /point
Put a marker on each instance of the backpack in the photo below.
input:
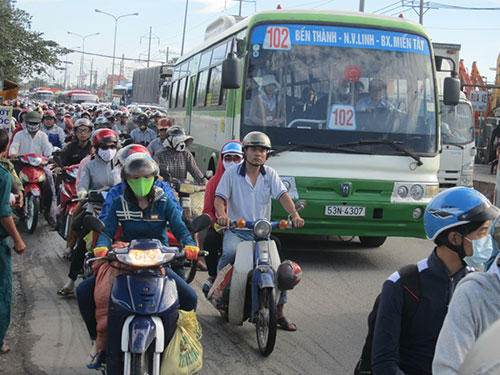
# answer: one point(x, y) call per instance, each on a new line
point(411, 297)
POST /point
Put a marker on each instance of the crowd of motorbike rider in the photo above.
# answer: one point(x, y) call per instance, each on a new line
point(132, 156)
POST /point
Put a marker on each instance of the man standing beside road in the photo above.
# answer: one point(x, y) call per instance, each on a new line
point(247, 190)
point(7, 228)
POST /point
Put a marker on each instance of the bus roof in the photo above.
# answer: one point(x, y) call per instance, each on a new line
point(76, 92)
point(307, 15)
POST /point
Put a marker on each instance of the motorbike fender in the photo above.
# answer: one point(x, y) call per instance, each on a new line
point(266, 279)
point(243, 264)
point(142, 330)
point(32, 189)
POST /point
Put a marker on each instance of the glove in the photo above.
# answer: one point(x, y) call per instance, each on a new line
point(81, 194)
point(191, 252)
point(100, 251)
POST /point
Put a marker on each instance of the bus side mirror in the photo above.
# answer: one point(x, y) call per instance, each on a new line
point(451, 89)
point(231, 73)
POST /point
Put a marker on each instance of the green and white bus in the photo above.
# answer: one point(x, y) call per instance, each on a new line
point(364, 171)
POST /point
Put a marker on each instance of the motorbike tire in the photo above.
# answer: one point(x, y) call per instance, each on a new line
point(32, 210)
point(193, 264)
point(266, 323)
point(141, 364)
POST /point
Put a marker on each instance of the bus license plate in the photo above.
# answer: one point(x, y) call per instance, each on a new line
point(345, 211)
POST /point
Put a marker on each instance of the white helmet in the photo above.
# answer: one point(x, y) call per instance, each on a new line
point(177, 139)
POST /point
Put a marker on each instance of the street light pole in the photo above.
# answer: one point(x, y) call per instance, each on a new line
point(83, 53)
point(114, 44)
point(184, 30)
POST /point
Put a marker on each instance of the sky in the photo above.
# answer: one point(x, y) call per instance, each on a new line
point(476, 31)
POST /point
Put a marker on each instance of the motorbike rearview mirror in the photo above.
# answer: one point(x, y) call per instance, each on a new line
point(199, 223)
point(92, 223)
point(300, 205)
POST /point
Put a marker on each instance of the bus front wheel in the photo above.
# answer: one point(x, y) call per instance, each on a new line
point(372, 241)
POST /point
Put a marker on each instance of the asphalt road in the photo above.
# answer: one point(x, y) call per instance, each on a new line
point(330, 307)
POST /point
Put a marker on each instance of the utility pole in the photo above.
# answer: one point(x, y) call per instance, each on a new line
point(91, 72)
point(361, 5)
point(421, 13)
point(149, 43)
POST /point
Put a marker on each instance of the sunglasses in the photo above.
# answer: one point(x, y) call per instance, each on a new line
point(107, 147)
point(162, 130)
point(236, 158)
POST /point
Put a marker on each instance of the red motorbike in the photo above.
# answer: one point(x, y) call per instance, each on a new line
point(68, 200)
point(33, 176)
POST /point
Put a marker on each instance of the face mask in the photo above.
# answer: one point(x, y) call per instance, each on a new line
point(143, 127)
point(60, 117)
point(180, 146)
point(142, 186)
point(228, 164)
point(482, 252)
point(33, 128)
point(107, 155)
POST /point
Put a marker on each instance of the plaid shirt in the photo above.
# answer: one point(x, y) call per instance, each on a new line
point(178, 164)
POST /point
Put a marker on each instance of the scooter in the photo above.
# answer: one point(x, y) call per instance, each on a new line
point(143, 306)
point(253, 283)
point(33, 177)
point(68, 201)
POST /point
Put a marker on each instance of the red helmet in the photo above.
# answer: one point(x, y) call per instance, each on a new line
point(49, 113)
point(125, 152)
point(164, 123)
point(289, 274)
point(102, 136)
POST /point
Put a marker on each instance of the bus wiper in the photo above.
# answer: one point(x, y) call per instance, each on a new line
point(396, 144)
point(455, 144)
point(295, 147)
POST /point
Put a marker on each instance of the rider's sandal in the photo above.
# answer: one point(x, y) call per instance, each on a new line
point(4, 349)
point(95, 358)
point(286, 325)
point(65, 291)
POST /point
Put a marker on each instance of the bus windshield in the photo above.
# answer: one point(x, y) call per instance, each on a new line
point(325, 86)
point(457, 124)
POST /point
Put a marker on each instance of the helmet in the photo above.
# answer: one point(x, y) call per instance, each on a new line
point(85, 113)
point(139, 164)
point(257, 139)
point(109, 113)
point(454, 207)
point(164, 123)
point(24, 112)
point(289, 274)
point(49, 114)
point(142, 118)
point(136, 112)
point(102, 136)
point(101, 122)
point(45, 107)
point(232, 147)
point(177, 138)
point(126, 151)
point(60, 112)
point(117, 114)
point(158, 114)
point(83, 122)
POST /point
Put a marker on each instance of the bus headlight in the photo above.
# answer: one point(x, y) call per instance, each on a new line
point(468, 168)
point(417, 192)
point(403, 191)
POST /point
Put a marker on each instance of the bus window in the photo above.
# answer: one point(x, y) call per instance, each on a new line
point(181, 94)
point(174, 95)
point(201, 88)
point(219, 54)
point(214, 86)
point(205, 59)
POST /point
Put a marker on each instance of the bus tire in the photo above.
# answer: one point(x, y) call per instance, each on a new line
point(372, 241)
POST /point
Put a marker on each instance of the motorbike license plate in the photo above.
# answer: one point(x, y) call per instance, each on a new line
point(356, 211)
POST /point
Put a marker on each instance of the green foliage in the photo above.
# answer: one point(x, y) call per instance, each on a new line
point(23, 52)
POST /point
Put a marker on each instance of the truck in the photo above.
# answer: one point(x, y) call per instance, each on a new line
point(456, 165)
point(146, 84)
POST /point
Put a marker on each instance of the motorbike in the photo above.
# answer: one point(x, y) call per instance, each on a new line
point(253, 283)
point(143, 306)
point(68, 201)
point(33, 176)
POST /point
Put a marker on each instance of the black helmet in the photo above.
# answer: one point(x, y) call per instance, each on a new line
point(289, 274)
point(257, 139)
point(142, 118)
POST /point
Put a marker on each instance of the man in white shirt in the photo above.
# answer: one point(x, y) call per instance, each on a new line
point(247, 190)
point(33, 141)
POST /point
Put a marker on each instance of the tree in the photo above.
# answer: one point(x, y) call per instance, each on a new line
point(23, 52)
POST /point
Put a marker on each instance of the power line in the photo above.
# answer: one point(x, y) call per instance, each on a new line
point(387, 6)
point(110, 57)
point(458, 7)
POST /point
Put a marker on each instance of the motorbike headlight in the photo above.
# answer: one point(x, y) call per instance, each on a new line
point(144, 258)
point(35, 161)
point(262, 228)
point(23, 177)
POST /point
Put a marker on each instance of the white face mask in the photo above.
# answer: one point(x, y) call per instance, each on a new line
point(482, 252)
point(107, 155)
point(228, 164)
point(180, 147)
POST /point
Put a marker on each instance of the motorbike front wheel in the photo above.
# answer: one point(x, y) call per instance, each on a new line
point(266, 324)
point(141, 364)
point(32, 211)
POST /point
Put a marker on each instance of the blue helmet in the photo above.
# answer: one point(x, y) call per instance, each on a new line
point(232, 147)
point(454, 207)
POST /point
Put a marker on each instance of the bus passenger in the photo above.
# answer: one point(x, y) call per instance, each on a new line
point(376, 98)
point(268, 108)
